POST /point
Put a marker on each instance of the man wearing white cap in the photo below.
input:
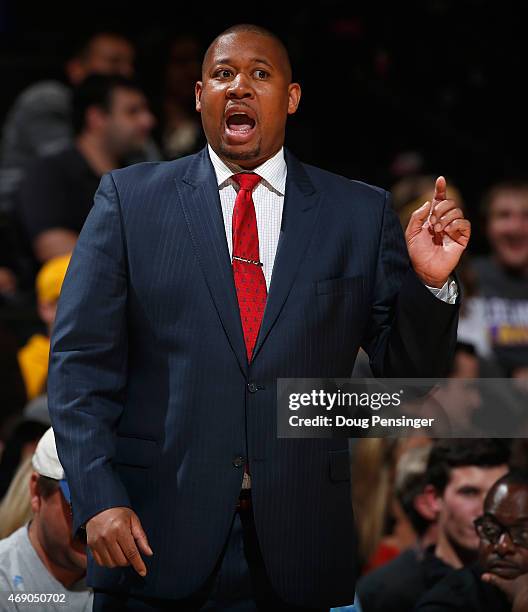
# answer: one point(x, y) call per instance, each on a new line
point(41, 563)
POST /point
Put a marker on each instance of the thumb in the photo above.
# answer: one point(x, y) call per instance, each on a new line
point(506, 586)
point(418, 218)
point(140, 536)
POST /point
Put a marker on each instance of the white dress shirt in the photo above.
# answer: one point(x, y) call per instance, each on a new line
point(268, 197)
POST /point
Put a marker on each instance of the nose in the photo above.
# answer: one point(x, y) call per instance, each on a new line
point(505, 545)
point(239, 88)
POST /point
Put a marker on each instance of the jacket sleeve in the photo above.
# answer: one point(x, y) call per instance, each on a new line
point(88, 360)
point(411, 333)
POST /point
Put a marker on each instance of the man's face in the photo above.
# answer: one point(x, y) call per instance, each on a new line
point(508, 508)
point(462, 502)
point(55, 526)
point(109, 55)
point(508, 228)
point(245, 97)
point(128, 124)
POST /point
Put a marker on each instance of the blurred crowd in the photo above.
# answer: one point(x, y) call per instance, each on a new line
point(433, 515)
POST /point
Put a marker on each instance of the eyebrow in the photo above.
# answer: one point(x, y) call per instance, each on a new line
point(256, 60)
point(259, 60)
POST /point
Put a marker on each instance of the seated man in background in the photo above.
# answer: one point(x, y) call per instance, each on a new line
point(460, 472)
point(498, 313)
point(458, 476)
point(42, 557)
point(39, 122)
point(33, 357)
point(503, 557)
point(111, 121)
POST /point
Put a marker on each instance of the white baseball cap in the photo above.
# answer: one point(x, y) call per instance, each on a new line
point(46, 462)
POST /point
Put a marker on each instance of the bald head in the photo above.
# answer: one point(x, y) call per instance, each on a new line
point(246, 94)
point(507, 486)
point(259, 31)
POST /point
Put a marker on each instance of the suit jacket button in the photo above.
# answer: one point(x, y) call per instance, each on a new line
point(252, 387)
point(238, 462)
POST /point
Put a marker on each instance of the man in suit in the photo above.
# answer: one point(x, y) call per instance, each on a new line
point(194, 285)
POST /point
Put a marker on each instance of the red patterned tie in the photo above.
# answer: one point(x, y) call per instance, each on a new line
point(247, 270)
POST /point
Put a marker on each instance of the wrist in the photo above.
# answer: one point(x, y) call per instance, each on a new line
point(436, 283)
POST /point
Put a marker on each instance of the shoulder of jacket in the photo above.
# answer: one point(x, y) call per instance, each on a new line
point(324, 180)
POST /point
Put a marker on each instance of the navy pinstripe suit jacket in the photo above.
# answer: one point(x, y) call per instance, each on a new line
point(150, 391)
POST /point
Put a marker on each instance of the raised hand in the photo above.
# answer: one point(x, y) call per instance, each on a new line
point(516, 590)
point(116, 537)
point(436, 237)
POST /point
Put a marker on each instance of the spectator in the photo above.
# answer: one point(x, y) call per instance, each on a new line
point(397, 584)
point(43, 556)
point(39, 122)
point(372, 459)
point(15, 507)
point(500, 311)
point(33, 357)
point(503, 555)
point(458, 476)
point(111, 121)
point(460, 473)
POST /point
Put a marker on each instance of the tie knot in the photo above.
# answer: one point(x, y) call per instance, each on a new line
point(246, 180)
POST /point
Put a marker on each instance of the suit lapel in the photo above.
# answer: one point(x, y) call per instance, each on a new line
point(200, 200)
point(301, 206)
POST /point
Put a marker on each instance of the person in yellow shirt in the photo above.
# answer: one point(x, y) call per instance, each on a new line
point(33, 357)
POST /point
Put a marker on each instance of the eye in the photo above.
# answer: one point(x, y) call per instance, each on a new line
point(468, 491)
point(223, 73)
point(261, 74)
point(491, 531)
point(523, 535)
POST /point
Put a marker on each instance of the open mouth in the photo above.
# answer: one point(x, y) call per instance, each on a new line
point(240, 122)
point(239, 126)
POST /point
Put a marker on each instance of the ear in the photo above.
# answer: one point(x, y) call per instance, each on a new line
point(426, 507)
point(431, 501)
point(294, 97)
point(33, 492)
point(95, 117)
point(198, 95)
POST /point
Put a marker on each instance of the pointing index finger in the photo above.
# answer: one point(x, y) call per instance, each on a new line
point(440, 189)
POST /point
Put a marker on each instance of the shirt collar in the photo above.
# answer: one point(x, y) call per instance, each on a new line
point(272, 171)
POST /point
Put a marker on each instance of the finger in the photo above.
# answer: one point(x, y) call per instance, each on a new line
point(501, 583)
point(440, 189)
point(418, 218)
point(440, 208)
point(140, 536)
point(444, 220)
point(131, 552)
point(459, 230)
point(118, 556)
point(106, 558)
point(96, 556)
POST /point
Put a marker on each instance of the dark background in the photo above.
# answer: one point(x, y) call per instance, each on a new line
point(444, 80)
